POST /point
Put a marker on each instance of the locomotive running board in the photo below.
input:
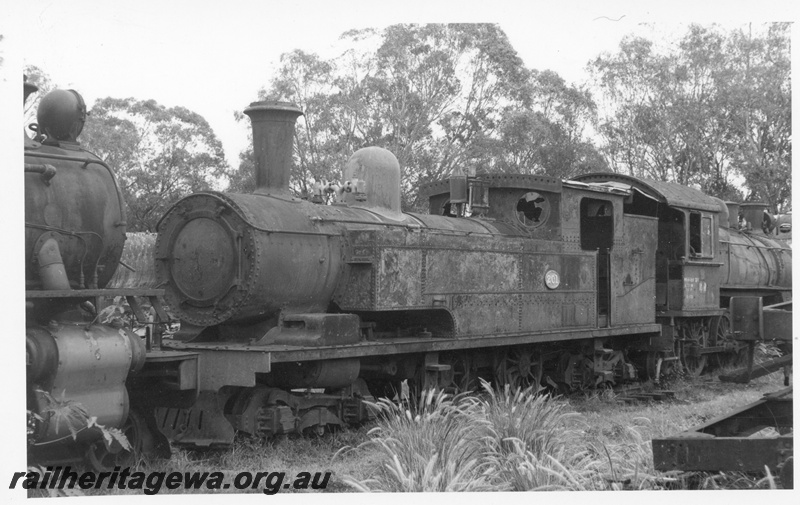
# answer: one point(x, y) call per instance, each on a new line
point(286, 353)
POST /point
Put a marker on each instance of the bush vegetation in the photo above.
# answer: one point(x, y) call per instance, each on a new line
point(524, 440)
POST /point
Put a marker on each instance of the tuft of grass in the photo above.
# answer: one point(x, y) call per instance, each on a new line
point(535, 420)
point(529, 436)
point(428, 445)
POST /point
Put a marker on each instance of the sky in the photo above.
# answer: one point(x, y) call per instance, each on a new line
point(213, 57)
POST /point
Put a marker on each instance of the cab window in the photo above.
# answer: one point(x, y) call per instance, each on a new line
point(701, 235)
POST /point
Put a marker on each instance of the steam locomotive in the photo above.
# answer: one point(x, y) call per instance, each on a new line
point(78, 369)
point(293, 314)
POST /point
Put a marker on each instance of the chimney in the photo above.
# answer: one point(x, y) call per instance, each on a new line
point(733, 215)
point(273, 139)
point(753, 214)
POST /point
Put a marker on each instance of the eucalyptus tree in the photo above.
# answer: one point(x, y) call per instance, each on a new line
point(712, 108)
point(160, 154)
point(441, 97)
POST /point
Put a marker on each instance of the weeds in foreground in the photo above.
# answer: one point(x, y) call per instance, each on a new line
point(506, 440)
point(431, 445)
point(528, 436)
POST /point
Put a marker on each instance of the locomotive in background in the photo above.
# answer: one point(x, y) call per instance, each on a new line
point(293, 314)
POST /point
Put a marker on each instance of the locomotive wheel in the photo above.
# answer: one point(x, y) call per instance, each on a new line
point(721, 328)
point(519, 368)
point(695, 337)
point(464, 374)
point(650, 361)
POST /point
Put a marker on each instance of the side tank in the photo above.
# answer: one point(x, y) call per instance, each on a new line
point(74, 212)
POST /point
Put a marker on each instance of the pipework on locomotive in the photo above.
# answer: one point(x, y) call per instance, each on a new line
point(293, 314)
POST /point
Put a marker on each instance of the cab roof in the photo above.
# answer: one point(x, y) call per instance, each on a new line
point(670, 193)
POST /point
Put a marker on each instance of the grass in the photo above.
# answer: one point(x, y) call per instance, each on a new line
point(432, 445)
point(500, 440)
point(523, 441)
point(497, 440)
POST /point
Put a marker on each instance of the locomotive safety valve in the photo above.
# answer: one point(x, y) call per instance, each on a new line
point(357, 187)
point(317, 190)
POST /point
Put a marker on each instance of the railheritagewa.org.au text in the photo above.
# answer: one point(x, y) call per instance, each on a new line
point(151, 483)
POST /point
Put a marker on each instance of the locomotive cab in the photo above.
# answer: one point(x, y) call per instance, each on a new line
point(702, 260)
point(686, 256)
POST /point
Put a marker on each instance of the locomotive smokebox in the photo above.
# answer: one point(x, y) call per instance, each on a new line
point(273, 139)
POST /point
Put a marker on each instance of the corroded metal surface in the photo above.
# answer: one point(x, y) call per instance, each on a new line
point(754, 261)
point(87, 365)
point(633, 271)
point(522, 181)
point(81, 206)
point(726, 442)
point(672, 194)
point(273, 133)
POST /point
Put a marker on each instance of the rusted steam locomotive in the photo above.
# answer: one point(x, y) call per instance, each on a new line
point(567, 283)
point(293, 313)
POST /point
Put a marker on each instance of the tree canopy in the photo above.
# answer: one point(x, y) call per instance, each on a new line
point(159, 154)
point(440, 97)
point(39, 78)
point(713, 109)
